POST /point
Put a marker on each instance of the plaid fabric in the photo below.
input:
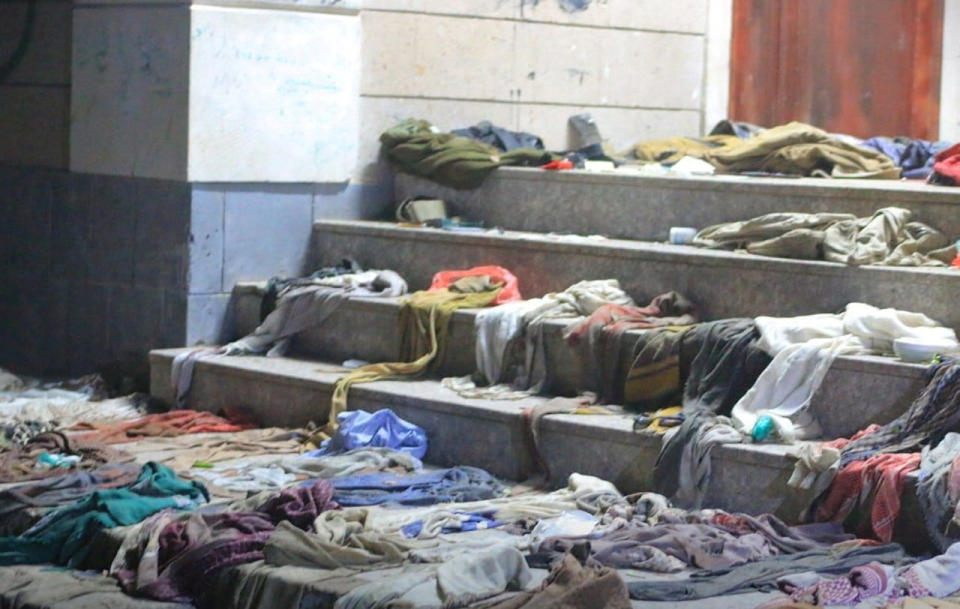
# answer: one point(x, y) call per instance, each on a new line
point(871, 486)
point(934, 413)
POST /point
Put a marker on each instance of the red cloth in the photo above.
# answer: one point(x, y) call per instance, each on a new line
point(879, 479)
point(667, 309)
point(511, 286)
point(564, 164)
point(840, 443)
point(173, 423)
point(946, 166)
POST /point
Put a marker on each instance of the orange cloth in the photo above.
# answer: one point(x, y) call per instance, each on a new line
point(173, 423)
point(497, 274)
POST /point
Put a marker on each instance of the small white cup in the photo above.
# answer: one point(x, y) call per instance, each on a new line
point(680, 235)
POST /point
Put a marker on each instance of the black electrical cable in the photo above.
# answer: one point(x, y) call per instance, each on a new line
point(11, 63)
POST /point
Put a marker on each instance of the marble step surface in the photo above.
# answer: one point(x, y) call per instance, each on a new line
point(722, 284)
point(490, 434)
point(368, 329)
point(618, 204)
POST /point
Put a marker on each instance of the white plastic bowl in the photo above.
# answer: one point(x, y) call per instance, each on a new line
point(921, 350)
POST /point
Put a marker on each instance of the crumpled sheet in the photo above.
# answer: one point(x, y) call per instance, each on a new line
point(684, 464)
point(456, 484)
point(182, 452)
point(888, 238)
point(23, 505)
point(599, 339)
point(510, 351)
point(800, 149)
point(29, 587)
point(302, 303)
point(307, 304)
point(174, 556)
point(255, 474)
point(64, 535)
point(167, 424)
point(871, 488)
point(63, 408)
point(704, 539)
point(586, 493)
point(803, 349)
point(763, 574)
point(463, 580)
point(914, 157)
point(571, 585)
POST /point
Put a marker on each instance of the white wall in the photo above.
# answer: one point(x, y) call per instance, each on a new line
point(950, 73)
point(638, 66)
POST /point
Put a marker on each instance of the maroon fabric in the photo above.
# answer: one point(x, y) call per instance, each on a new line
point(195, 547)
point(301, 505)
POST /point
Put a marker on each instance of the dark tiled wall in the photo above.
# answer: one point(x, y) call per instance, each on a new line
point(94, 269)
point(250, 232)
point(97, 269)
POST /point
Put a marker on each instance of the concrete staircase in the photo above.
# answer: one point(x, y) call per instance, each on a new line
point(489, 434)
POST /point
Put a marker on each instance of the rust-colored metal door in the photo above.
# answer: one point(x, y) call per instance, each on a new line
point(863, 67)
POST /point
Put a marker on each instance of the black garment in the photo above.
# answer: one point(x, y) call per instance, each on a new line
point(762, 575)
point(915, 158)
point(719, 363)
point(501, 138)
point(740, 129)
point(276, 285)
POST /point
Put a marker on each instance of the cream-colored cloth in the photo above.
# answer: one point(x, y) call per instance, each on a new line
point(803, 349)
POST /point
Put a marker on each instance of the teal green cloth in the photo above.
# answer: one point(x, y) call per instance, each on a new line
point(64, 536)
point(450, 160)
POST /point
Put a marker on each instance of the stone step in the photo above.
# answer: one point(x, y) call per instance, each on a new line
point(489, 434)
point(722, 284)
point(367, 329)
point(642, 207)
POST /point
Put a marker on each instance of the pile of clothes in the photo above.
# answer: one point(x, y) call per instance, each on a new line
point(889, 237)
point(464, 157)
point(417, 147)
point(361, 520)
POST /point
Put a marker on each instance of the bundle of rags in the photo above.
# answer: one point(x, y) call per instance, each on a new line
point(417, 147)
point(511, 348)
point(20, 463)
point(801, 149)
point(889, 237)
point(718, 363)
point(424, 321)
point(168, 424)
point(292, 306)
point(874, 466)
point(64, 536)
point(173, 557)
point(599, 337)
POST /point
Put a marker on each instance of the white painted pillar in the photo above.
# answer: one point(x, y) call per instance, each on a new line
point(717, 62)
point(950, 73)
point(233, 91)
